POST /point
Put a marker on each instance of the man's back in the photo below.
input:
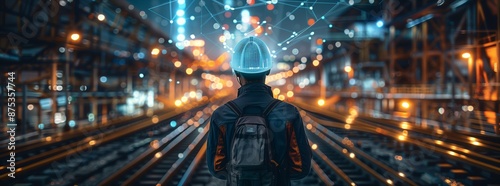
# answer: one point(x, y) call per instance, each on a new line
point(289, 143)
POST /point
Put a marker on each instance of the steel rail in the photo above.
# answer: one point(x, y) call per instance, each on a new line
point(356, 161)
point(25, 166)
point(186, 177)
point(361, 126)
point(176, 167)
point(151, 163)
point(332, 165)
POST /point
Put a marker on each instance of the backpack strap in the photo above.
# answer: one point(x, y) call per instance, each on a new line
point(270, 107)
point(234, 107)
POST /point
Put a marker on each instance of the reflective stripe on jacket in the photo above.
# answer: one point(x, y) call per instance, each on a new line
point(285, 123)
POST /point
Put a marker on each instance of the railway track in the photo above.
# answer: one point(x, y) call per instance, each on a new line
point(105, 147)
point(427, 157)
point(48, 143)
point(169, 149)
point(182, 162)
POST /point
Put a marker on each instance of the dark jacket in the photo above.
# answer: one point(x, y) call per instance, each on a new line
point(286, 126)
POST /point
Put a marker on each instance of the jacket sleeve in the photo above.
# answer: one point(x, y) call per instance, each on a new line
point(216, 152)
point(299, 150)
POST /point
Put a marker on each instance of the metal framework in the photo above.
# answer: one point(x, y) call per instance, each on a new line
point(440, 35)
point(81, 41)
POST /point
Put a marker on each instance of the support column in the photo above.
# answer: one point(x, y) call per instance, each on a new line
point(53, 86)
point(161, 87)
point(68, 105)
point(114, 102)
point(81, 107)
point(424, 54)
point(128, 80)
point(414, 50)
point(171, 87)
point(93, 110)
point(497, 77)
point(94, 84)
point(443, 56)
point(185, 84)
point(392, 60)
point(471, 25)
point(39, 114)
point(104, 117)
point(424, 105)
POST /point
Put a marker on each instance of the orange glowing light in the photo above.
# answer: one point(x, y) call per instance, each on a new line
point(309, 126)
point(347, 69)
point(155, 51)
point(254, 20)
point(314, 147)
point(158, 155)
point(315, 63)
point(196, 52)
point(154, 144)
point(405, 104)
point(466, 55)
point(178, 103)
point(347, 126)
point(197, 43)
point(222, 38)
point(189, 71)
point(310, 21)
point(155, 119)
point(75, 36)
point(259, 30)
point(281, 97)
point(270, 7)
point(321, 102)
point(319, 41)
point(177, 64)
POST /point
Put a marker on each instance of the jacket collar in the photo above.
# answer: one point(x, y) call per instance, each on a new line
point(254, 88)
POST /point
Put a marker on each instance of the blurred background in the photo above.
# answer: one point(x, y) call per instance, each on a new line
point(116, 92)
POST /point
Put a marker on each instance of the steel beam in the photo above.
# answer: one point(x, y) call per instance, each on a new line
point(497, 76)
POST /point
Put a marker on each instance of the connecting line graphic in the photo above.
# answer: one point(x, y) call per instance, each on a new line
point(303, 30)
point(164, 4)
point(206, 14)
point(160, 5)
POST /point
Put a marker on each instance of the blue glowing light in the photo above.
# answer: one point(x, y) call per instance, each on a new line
point(181, 30)
point(104, 79)
point(180, 13)
point(181, 21)
point(181, 37)
point(173, 123)
point(380, 24)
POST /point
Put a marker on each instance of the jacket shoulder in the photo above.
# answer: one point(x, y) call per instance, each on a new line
point(286, 106)
point(222, 113)
point(286, 111)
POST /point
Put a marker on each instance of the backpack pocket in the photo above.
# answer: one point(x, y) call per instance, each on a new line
point(249, 143)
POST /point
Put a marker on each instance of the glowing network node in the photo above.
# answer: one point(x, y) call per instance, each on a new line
point(380, 24)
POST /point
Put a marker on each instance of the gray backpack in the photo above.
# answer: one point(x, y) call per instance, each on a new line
point(250, 161)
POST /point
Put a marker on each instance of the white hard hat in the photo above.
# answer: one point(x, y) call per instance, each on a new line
point(251, 56)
